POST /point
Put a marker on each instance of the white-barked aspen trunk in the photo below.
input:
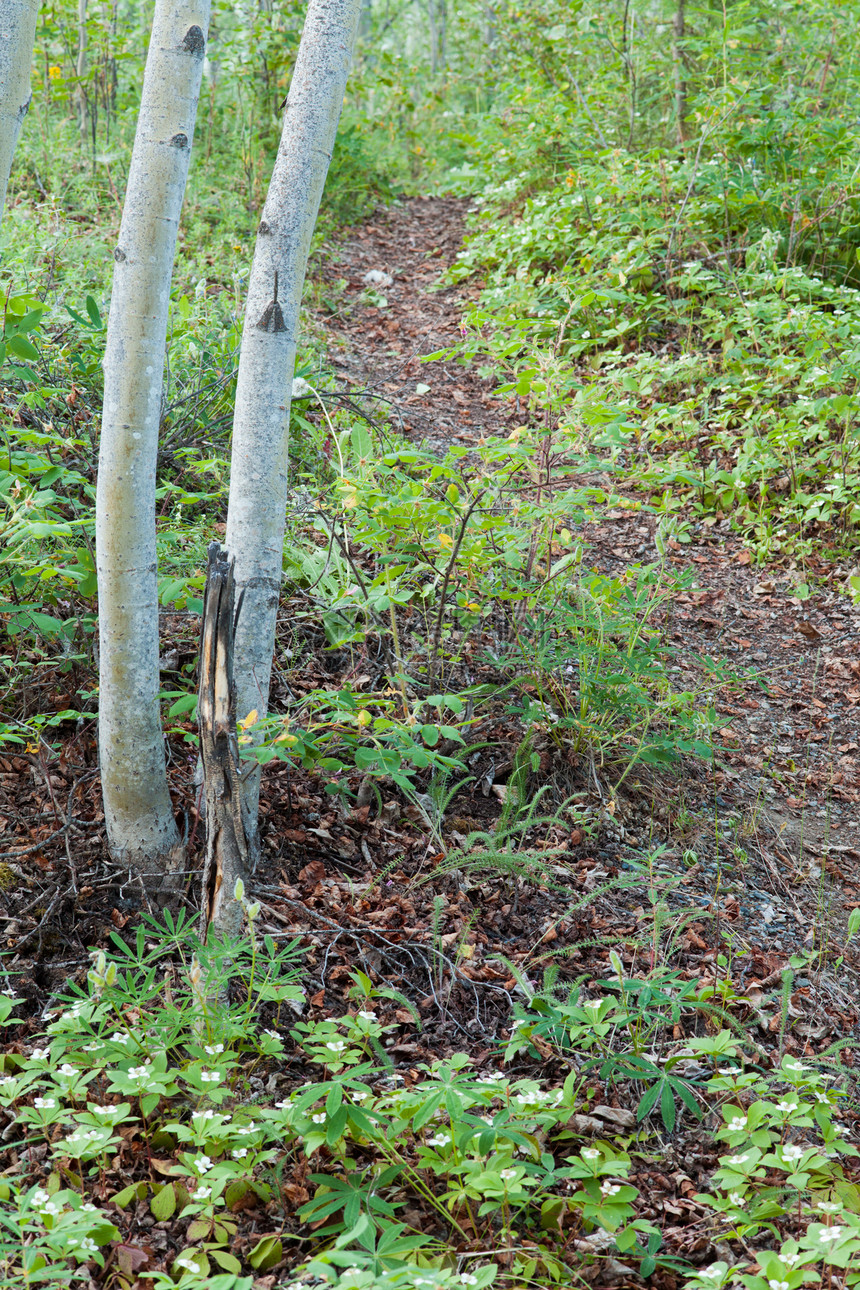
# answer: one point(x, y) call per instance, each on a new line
point(140, 824)
point(17, 37)
point(258, 471)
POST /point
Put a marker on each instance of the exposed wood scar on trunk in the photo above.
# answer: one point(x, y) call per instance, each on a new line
point(226, 840)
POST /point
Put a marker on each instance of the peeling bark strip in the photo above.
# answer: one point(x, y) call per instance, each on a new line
point(258, 468)
point(17, 37)
point(141, 828)
point(226, 843)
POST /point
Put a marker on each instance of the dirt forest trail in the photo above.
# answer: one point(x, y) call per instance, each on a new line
point(789, 787)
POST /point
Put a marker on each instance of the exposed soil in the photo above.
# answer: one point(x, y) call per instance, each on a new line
point(757, 866)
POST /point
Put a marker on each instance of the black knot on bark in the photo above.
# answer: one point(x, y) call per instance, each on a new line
point(119, 255)
point(272, 319)
point(179, 141)
point(194, 42)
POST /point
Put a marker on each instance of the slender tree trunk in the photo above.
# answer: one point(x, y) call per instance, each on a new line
point(226, 843)
point(81, 71)
point(17, 37)
point(258, 472)
point(140, 824)
point(442, 32)
point(681, 108)
point(434, 42)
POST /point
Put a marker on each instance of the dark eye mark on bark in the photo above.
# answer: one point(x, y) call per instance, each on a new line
point(272, 319)
point(264, 228)
point(194, 42)
point(119, 255)
point(179, 141)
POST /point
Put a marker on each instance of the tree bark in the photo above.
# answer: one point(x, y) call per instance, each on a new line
point(81, 97)
point(258, 472)
point(226, 843)
point(17, 37)
point(140, 824)
point(681, 107)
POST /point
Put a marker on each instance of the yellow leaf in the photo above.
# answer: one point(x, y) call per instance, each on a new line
point(445, 539)
point(249, 720)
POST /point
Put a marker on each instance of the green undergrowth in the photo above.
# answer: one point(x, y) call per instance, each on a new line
point(719, 382)
point(452, 569)
point(667, 238)
point(148, 1094)
point(456, 568)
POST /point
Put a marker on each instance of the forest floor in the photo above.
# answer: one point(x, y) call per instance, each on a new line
point(757, 859)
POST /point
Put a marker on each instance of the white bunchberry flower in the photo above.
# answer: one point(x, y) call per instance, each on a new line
point(738, 1160)
point(367, 1016)
point(737, 1122)
point(68, 1070)
point(202, 1193)
point(792, 1065)
point(507, 1175)
point(186, 1263)
point(736, 1198)
point(793, 1152)
point(829, 1234)
point(39, 1197)
point(778, 1285)
point(40, 1054)
point(202, 1164)
point(468, 1279)
point(610, 1189)
point(45, 1103)
point(245, 1129)
point(119, 1037)
point(140, 1072)
point(212, 1049)
point(786, 1107)
point(239, 1153)
point(336, 1045)
point(284, 1105)
point(590, 1153)
point(438, 1140)
point(830, 1207)
point(273, 1034)
point(210, 1077)
point(319, 1118)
